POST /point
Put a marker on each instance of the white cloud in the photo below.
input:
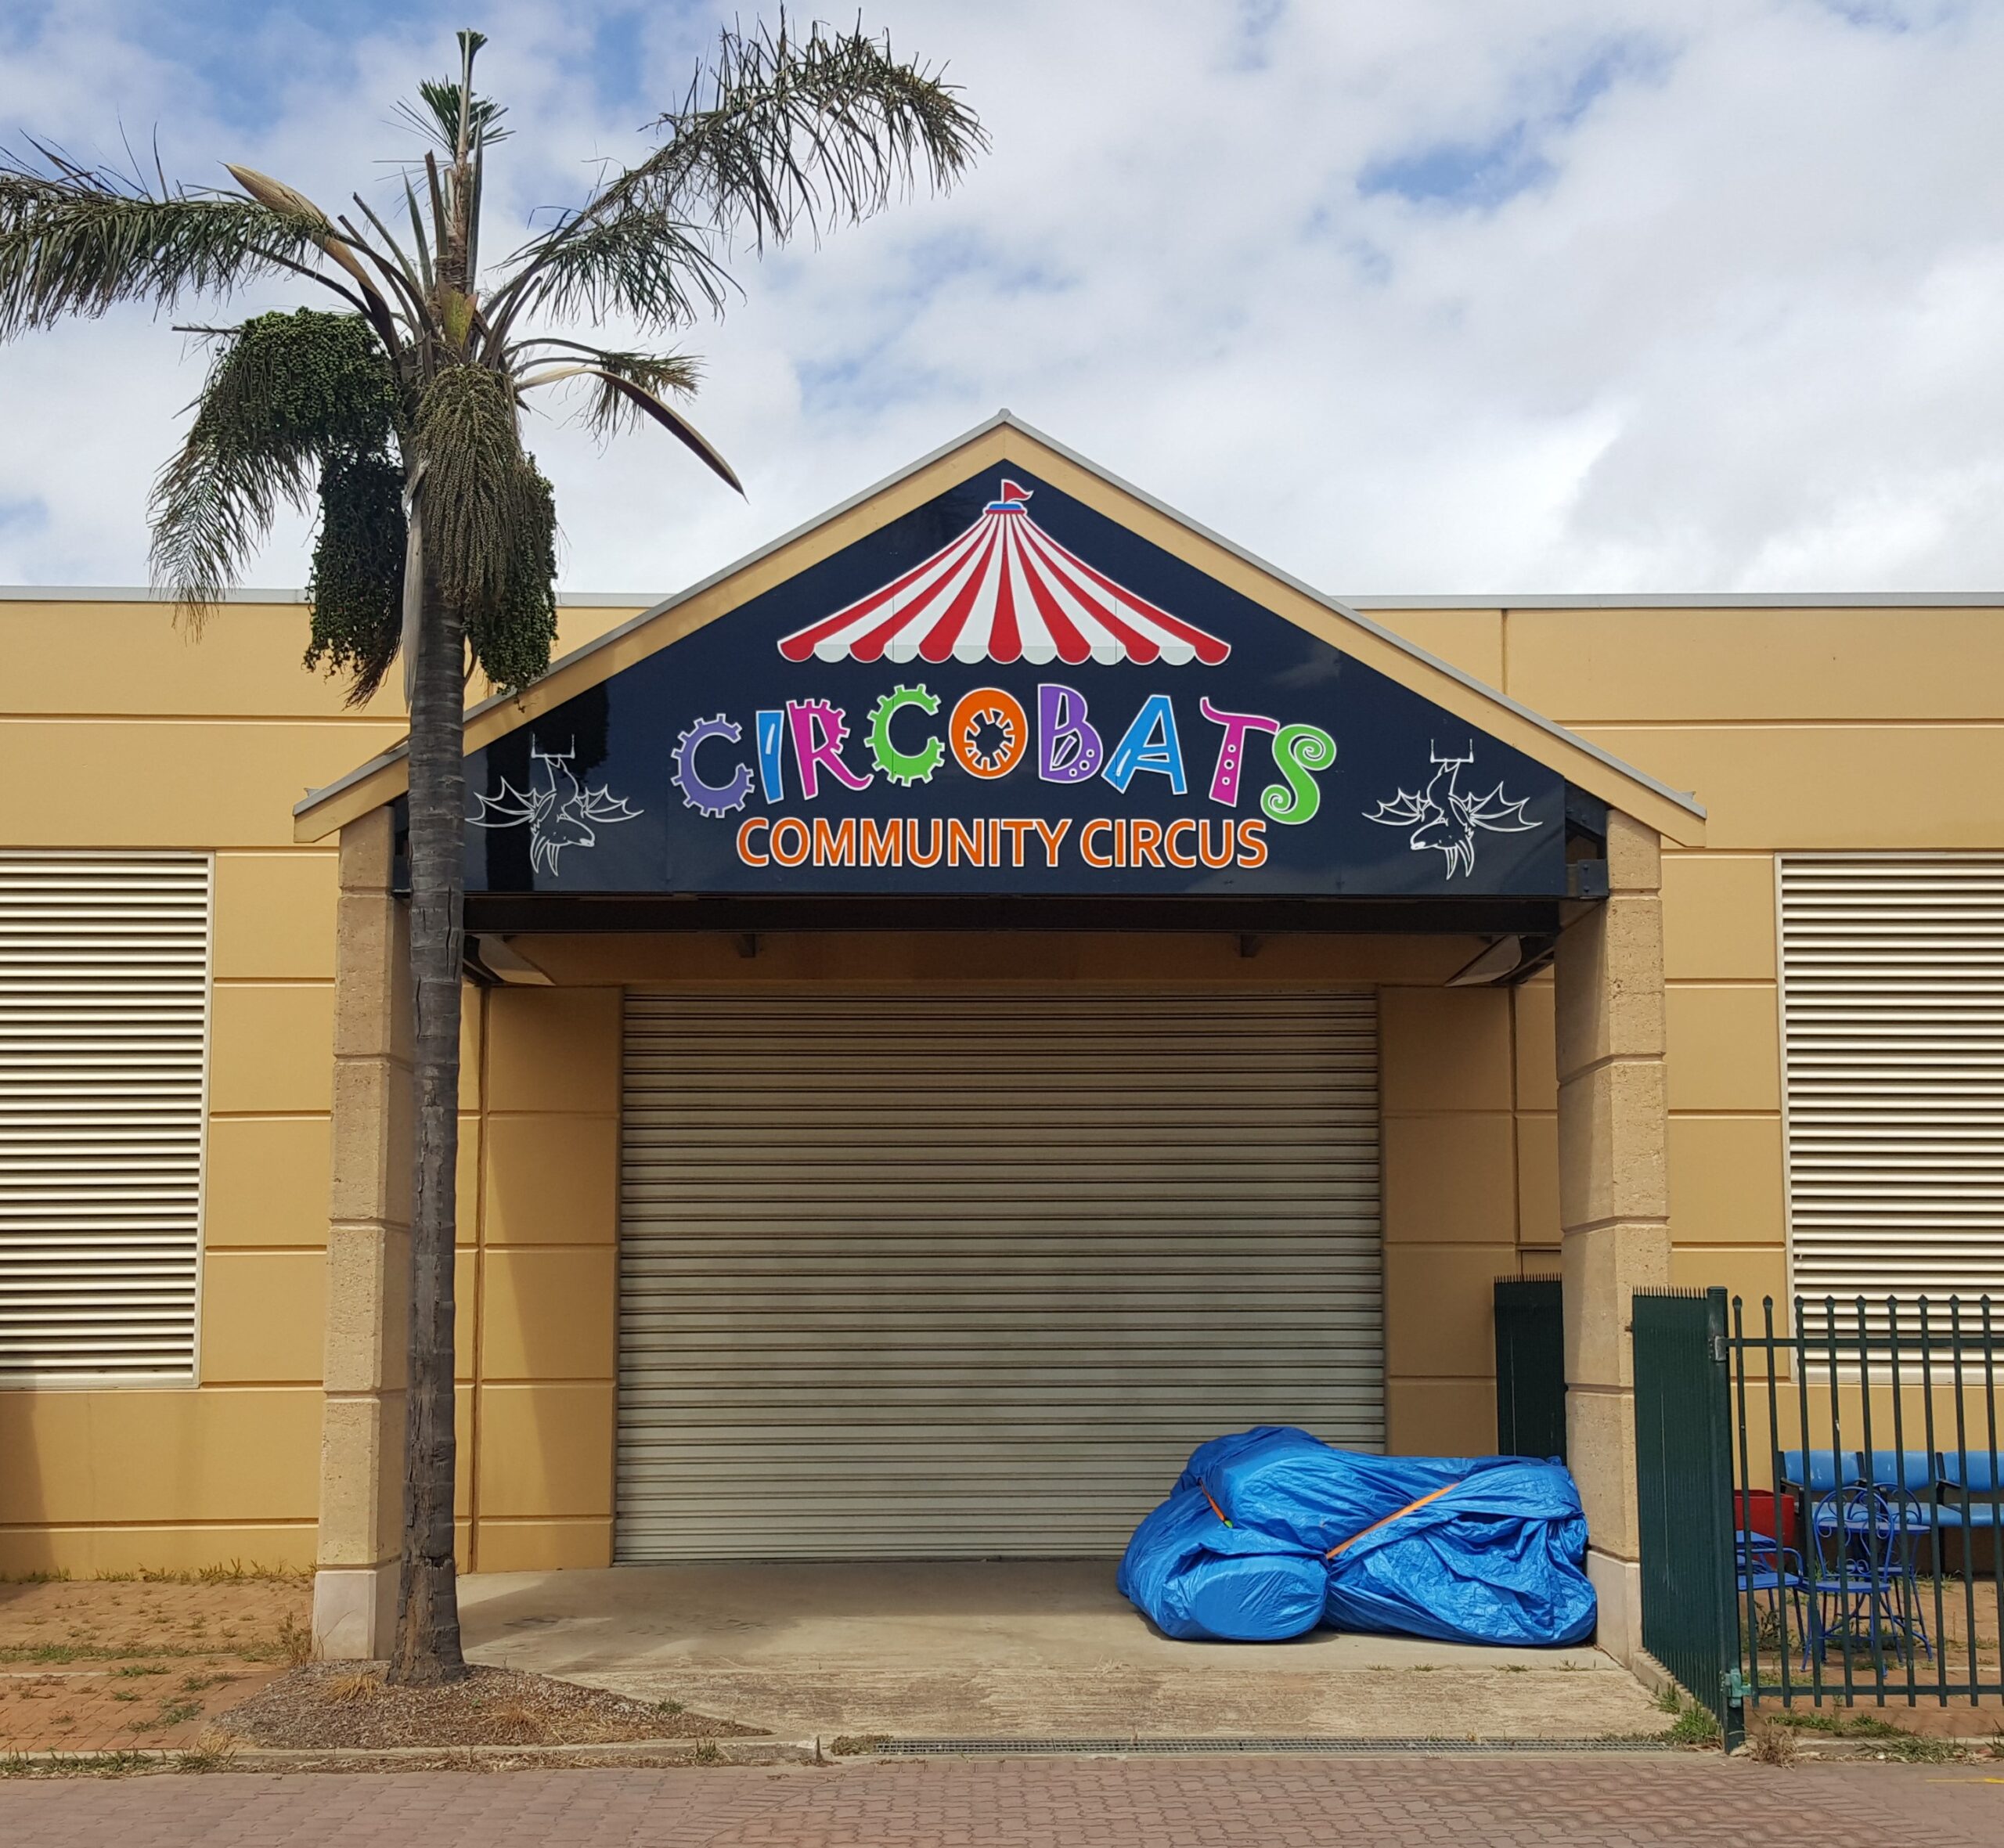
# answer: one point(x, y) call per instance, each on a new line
point(1562, 295)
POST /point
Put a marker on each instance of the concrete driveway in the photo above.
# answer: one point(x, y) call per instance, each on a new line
point(1017, 1649)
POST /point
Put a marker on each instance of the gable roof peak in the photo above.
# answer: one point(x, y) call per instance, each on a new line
point(1004, 437)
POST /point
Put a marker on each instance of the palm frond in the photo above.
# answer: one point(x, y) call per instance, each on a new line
point(620, 401)
point(784, 129)
point(285, 393)
point(418, 238)
point(640, 264)
point(435, 115)
point(406, 274)
point(680, 373)
point(287, 202)
point(781, 131)
point(79, 240)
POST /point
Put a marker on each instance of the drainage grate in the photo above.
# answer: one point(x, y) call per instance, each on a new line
point(992, 1748)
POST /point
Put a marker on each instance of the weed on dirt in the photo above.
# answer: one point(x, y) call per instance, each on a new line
point(78, 1764)
point(1885, 1739)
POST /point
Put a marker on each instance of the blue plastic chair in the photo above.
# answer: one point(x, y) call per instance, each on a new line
point(1818, 1470)
point(1972, 1480)
point(1912, 1472)
point(1971, 1489)
point(1860, 1565)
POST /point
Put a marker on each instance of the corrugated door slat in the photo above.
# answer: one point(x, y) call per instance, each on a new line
point(964, 1276)
point(104, 983)
point(1892, 1029)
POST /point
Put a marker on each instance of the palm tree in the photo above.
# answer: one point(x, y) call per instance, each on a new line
point(395, 416)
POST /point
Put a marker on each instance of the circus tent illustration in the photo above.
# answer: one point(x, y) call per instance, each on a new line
point(1005, 590)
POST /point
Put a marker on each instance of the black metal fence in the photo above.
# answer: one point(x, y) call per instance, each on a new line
point(1530, 1368)
point(1868, 1514)
point(1820, 1507)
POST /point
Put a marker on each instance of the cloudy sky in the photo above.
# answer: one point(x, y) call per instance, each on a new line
point(1464, 296)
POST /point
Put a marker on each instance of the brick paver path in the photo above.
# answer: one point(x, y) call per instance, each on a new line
point(1287, 1802)
point(100, 1664)
point(153, 1705)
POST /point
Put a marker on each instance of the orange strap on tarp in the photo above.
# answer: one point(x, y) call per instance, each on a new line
point(1210, 1498)
point(1396, 1514)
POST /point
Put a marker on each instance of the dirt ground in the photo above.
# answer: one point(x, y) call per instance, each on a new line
point(348, 1706)
point(171, 1665)
point(112, 1665)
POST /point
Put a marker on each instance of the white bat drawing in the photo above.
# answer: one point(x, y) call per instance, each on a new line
point(1443, 819)
point(559, 811)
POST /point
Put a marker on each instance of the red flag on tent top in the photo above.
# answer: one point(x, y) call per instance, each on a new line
point(1005, 590)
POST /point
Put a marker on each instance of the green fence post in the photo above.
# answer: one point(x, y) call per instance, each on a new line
point(1724, 1574)
point(1683, 1496)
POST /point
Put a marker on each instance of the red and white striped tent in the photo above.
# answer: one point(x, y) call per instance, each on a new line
point(1004, 590)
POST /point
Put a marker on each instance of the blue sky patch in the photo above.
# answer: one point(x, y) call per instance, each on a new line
point(1481, 174)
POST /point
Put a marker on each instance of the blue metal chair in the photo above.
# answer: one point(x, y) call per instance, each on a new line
point(1908, 1477)
point(1772, 1571)
point(1861, 1569)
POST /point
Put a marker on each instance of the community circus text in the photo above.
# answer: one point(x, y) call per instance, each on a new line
point(803, 751)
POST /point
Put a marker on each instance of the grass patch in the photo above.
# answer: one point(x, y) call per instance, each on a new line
point(33, 1654)
point(76, 1764)
point(363, 1685)
point(212, 1751)
point(1769, 1744)
point(236, 1571)
point(295, 1642)
point(1694, 1726)
point(1914, 1747)
point(1690, 1724)
point(1894, 1742)
point(1843, 1725)
point(141, 1668)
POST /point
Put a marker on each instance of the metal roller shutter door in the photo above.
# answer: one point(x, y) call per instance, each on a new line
point(1893, 1038)
point(953, 1276)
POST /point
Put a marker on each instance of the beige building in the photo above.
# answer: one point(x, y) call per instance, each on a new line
point(802, 1225)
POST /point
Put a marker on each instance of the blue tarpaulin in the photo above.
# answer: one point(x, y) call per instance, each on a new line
point(1268, 1533)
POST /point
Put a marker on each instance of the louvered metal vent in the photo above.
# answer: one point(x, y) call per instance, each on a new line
point(1893, 1029)
point(104, 982)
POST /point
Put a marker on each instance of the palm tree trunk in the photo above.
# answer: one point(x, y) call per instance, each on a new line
point(427, 1640)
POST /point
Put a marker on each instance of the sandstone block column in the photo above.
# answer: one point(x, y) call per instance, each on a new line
point(1613, 1197)
point(355, 1585)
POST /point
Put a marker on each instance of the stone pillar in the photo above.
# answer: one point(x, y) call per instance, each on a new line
point(355, 1586)
point(1613, 1197)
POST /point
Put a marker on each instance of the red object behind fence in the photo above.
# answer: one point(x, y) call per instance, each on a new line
point(1756, 1510)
